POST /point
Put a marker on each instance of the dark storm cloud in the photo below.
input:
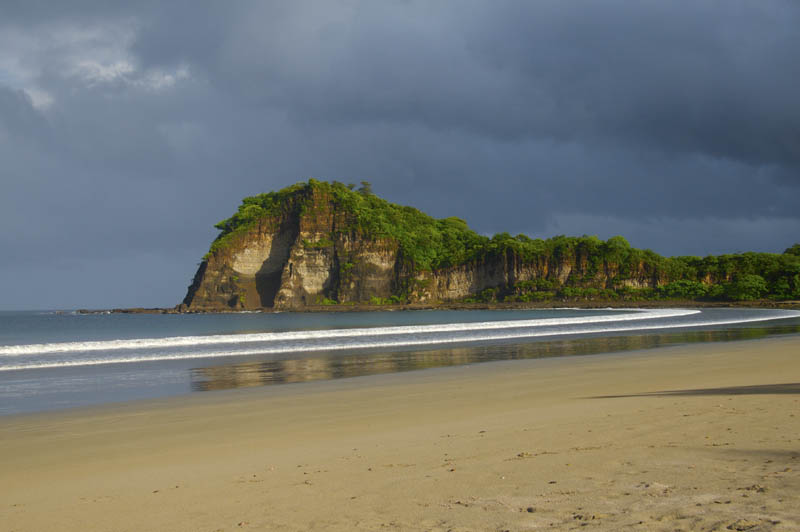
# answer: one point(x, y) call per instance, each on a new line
point(127, 130)
point(673, 76)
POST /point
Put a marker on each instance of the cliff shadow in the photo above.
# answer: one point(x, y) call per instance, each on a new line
point(267, 286)
point(268, 277)
point(197, 280)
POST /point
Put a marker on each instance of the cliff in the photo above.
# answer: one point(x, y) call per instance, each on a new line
point(322, 243)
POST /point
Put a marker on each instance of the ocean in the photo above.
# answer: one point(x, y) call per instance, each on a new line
point(54, 360)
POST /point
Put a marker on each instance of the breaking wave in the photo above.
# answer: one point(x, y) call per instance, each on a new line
point(90, 353)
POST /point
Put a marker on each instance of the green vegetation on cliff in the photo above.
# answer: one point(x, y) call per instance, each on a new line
point(427, 243)
point(255, 209)
point(598, 269)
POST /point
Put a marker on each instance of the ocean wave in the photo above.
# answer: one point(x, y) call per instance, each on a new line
point(365, 341)
point(187, 341)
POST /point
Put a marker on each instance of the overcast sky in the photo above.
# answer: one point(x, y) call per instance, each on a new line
point(127, 131)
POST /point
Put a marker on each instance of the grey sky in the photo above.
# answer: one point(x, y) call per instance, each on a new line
point(127, 130)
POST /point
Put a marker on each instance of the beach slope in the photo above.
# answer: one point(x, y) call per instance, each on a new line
point(700, 437)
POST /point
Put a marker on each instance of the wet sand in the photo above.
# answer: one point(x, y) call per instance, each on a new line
point(700, 437)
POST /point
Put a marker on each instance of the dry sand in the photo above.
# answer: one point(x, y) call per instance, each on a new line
point(702, 437)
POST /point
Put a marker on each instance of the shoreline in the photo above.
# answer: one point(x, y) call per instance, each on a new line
point(179, 365)
point(560, 304)
point(690, 437)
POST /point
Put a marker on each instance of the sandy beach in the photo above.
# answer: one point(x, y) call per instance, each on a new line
point(700, 437)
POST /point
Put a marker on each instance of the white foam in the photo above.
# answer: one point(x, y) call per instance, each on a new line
point(187, 341)
point(410, 340)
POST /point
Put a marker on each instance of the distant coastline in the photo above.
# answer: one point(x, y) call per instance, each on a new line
point(582, 304)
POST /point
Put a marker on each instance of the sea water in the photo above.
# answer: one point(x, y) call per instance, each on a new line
point(51, 360)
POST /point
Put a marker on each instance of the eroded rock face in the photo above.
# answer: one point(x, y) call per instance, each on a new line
point(299, 260)
point(308, 274)
point(366, 269)
point(310, 255)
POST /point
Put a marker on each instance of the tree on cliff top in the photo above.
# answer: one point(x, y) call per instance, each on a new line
point(794, 250)
point(366, 188)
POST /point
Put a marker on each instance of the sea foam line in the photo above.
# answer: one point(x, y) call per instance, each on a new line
point(158, 357)
point(187, 341)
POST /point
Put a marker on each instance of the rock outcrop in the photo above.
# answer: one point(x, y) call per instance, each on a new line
point(321, 243)
point(310, 248)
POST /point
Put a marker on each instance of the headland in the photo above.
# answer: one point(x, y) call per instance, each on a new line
point(319, 245)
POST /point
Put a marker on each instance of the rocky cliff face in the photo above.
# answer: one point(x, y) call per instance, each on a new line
point(294, 260)
point(309, 253)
